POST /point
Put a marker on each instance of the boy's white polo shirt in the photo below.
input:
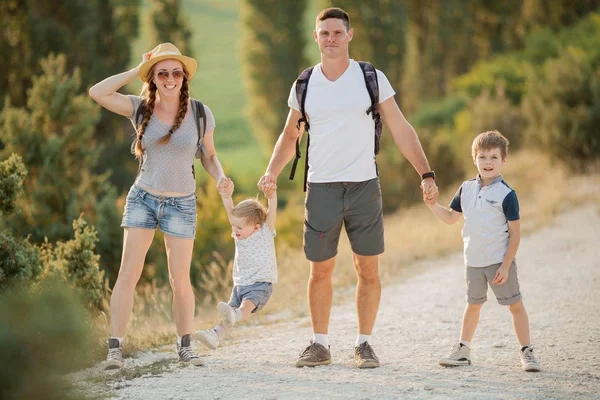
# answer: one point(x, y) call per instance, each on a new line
point(342, 134)
point(486, 210)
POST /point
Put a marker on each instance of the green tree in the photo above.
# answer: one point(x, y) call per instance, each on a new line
point(562, 107)
point(54, 134)
point(272, 50)
point(169, 25)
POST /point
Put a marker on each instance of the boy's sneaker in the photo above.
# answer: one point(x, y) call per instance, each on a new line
point(209, 338)
point(313, 355)
point(114, 359)
point(227, 314)
point(364, 356)
point(460, 355)
point(186, 354)
point(528, 361)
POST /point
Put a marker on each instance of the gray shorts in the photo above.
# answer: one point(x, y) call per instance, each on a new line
point(477, 285)
point(258, 293)
point(357, 205)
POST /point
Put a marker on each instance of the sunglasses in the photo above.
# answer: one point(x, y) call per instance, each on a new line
point(164, 75)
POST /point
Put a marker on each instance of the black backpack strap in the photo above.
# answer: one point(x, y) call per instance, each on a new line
point(139, 117)
point(200, 117)
point(301, 89)
point(370, 75)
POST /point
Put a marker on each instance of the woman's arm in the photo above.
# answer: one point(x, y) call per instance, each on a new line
point(105, 92)
point(209, 159)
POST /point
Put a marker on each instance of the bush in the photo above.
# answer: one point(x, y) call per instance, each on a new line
point(19, 261)
point(12, 174)
point(77, 263)
point(563, 108)
point(43, 334)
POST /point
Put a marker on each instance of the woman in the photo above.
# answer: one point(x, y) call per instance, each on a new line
point(163, 194)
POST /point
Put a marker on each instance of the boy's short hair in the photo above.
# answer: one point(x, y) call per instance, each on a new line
point(251, 210)
point(490, 140)
point(334, 12)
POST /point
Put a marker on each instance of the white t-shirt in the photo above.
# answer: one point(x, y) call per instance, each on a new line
point(341, 132)
point(255, 259)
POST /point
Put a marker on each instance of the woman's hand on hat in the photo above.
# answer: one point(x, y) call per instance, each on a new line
point(145, 57)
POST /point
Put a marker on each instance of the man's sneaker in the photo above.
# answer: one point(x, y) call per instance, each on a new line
point(227, 314)
point(114, 359)
point(528, 361)
point(186, 354)
point(313, 355)
point(364, 356)
point(460, 355)
point(209, 338)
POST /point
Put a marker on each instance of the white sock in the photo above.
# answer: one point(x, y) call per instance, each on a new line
point(465, 343)
point(322, 339)
point(238, 315)
point(220, 331)
point(120, 339)
point(178, 340)
point(360, 339)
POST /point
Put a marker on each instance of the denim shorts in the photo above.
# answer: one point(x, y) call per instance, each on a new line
point(176, 216)
point(258, 293)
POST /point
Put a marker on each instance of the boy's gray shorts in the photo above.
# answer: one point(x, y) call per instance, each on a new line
point(258, 293)
point(357, 205)
point(477, 285)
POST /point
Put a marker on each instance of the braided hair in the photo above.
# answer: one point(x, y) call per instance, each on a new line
point(149, 92)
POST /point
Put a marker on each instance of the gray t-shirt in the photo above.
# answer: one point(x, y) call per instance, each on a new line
point(168, 167)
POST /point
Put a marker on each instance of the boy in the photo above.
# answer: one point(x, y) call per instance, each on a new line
point(491, 235)
point(254, 266)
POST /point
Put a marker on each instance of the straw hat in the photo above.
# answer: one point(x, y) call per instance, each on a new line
point(166, 51)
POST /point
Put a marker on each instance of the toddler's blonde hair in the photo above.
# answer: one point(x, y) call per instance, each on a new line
point(251, 210)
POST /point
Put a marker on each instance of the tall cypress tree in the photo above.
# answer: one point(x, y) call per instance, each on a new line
point(170, 26)
point(272, 50)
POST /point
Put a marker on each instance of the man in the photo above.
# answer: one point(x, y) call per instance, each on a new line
point(343, 187)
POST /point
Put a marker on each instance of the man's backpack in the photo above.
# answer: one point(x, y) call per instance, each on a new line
point(199, 116)
point(370, 75)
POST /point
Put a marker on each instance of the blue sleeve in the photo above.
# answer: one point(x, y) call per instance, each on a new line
point(510, 205)
point(455, 203)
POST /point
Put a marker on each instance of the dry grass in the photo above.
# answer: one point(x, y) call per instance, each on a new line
point(544, 189)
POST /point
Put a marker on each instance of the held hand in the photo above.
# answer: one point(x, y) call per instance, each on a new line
point(501, 276)
point(431, 200)
point(428, 186)
point(225, 186)
point(268, 182)
point(269, 193)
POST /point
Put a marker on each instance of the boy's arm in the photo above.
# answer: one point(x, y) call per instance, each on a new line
point(272, 211)
point(448, 215)
point(514, 238)
point(510, 206)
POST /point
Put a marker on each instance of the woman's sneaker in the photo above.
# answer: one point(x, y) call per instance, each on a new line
point(114, 359)
point(209, 338)
point(528, 361)
point(460, 355)
point(186, 354)
point(227, 314)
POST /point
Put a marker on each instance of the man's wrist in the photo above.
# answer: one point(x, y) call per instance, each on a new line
point(427, 175)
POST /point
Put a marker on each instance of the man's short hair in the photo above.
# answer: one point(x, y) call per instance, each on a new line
point(334, 12)
point(488, 141)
